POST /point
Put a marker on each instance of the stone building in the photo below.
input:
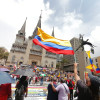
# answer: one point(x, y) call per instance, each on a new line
point(24, 51)
point(96, 61)
point(81, 59)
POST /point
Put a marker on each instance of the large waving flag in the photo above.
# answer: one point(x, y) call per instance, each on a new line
point(52, 44)
point(91, 64)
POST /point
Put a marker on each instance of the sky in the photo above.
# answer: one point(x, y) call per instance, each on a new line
point(68, 17)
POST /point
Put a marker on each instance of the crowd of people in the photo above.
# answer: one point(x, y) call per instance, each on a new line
point(88, 90)
point(62, 86)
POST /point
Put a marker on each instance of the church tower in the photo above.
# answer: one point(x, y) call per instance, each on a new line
point(20, 37)
point(33, 52)
point(18, 49)
point(53, 32)
point(24, 51)
point(38, 25)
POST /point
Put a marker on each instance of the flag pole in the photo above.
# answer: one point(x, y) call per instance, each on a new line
point(74, 57)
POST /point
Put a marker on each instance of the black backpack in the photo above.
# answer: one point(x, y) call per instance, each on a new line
point(19, 91)
point(70, 84)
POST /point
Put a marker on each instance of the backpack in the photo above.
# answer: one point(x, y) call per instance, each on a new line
point(70, 84)
point(19, 91)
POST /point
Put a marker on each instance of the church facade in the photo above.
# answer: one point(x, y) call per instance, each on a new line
point(24, 51)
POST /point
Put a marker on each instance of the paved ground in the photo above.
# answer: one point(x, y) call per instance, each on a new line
point(35, 92)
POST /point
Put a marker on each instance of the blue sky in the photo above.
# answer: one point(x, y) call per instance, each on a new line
point(68, 17)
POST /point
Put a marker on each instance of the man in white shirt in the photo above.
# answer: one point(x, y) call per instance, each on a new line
point(63, 90)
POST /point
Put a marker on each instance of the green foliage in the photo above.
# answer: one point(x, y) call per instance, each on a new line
point(58, 65)
point(3, 54)
point(6, 55)
point(61, 63)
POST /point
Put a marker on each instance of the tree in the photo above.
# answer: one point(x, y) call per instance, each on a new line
point(63, 62)
point(6, 56)
point(58, 65)
point(3, 54)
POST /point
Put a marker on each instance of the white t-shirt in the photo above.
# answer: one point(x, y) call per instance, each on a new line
point(63, 93)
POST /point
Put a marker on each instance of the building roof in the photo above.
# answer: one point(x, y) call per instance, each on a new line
point(53, 32)
point(38, 25)
point(22, 30)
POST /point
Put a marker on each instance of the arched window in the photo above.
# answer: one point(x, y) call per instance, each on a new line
point(21, 33)
point(52, 64)
point(46, 63)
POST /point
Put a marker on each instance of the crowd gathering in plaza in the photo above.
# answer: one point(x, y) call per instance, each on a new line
point(61, 85)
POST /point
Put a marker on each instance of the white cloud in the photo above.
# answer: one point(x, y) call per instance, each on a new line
point(95, 34)
point(14, 13)
point(71, 23)
point(64, 3)
point(72, 20)
point(95, 39)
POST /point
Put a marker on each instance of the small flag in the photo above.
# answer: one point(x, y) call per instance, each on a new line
point(35, 66)
point(91, 64)
point(15, 67)
point(98, 70)
point(59, 75)
point(90, 67)
point(38, 69)
point(86, 75)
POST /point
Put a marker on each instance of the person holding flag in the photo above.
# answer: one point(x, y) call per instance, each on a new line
point(92, 67)
point(84, 91)
point(94, 79)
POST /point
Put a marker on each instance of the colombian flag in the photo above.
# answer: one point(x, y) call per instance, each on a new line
point(91, 64)
point(98, 70)
point(52, 44)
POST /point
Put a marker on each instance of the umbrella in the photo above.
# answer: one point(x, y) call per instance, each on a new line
point(29, 72)
point(4, 69)
point(44, 68)
point(18, 72)
point(24, 72)
point(43, 75)
point(6, 78)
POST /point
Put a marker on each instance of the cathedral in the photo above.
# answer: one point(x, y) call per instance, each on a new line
point(24, 51)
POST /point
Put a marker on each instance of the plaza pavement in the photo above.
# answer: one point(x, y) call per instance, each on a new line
point(35, 92)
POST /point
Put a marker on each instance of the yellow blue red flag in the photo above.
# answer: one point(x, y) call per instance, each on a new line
point(91, 64)
point(53, 44)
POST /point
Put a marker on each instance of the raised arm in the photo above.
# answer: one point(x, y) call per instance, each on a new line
point(94, 71)
point(75, 72)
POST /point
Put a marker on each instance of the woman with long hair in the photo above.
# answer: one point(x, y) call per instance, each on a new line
point(21, 88)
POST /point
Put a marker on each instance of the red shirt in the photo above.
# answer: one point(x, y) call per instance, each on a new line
point(72, 83)
point(5, 91)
